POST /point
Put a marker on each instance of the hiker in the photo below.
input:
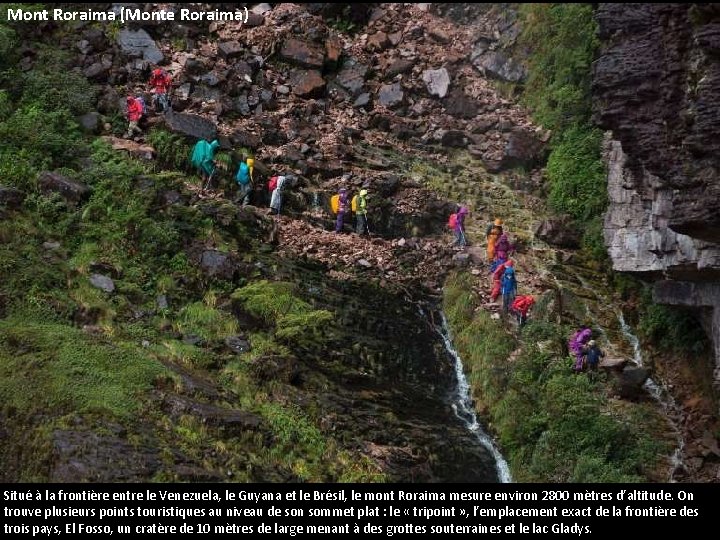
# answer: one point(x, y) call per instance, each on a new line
point(244, 180)
point(593, 354)
point(520, 307)
point(135, 110)
point(502, 247)
point(203, 159)
point(576, 344)
point(277, 195)
point(492, 233)
point(497, 279)
point(159, 83)
point(361, 223)
point(460, 239)
point(343, 207)
point(508, 287)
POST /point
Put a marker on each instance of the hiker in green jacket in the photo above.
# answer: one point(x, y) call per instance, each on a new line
point(203, 159)
point(361, 225)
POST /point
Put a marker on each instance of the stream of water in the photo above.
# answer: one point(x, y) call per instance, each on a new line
point(662, 396)
point(462, 404)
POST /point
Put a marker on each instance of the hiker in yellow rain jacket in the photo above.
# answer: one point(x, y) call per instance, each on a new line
point(493, 233)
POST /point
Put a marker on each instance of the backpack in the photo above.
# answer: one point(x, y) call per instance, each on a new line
point(335, 203)
point(141, 101)
point(272, 183)
point(243, 175)
point(199, 152)
point(508, 279)
point(452, 221)
point(354, 203)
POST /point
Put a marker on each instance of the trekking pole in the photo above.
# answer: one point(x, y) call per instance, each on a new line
point(209, 179)
point(367, 225)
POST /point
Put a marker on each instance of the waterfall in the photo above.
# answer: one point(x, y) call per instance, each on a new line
point(660, 394)
point(463, 406)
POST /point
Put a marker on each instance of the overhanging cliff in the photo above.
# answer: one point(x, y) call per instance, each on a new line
point(655, 89)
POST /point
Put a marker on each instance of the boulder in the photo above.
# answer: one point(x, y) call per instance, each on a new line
point(613, 364)
point(90, 122)
point(261, 9)
point(630, 380)
point(498, 65)
point(138, 150)
point(352, 76)
point(460, 105)
point(333, 51)
point(190, 124)
point(391, 95)
point(98, 71)
point(560, 232)
point(104, 283)
point(138, 43)
point(237, 344)
point(523, 149)
point(11, 197)
point(402, 65)
point(232, 420)
point(439, 35)
point(243, 138)
point(254, 19)
point(229, 49)
point(216, 264)
point(161, 301)
point(302, 54)
point(454, 138)
point(377, 42)
point(437, 81)
point(70, 190)
point(308, 84)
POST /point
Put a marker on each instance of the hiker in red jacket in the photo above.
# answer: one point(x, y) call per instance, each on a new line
point(497, 277)
point(160, 82)
point(135, 111)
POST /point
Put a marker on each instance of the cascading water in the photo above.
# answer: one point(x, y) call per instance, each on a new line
point(662, 396)
point(463, 406)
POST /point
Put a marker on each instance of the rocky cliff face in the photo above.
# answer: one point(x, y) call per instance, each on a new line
point(655, 89)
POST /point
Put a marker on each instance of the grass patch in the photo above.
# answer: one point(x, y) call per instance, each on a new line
point(50, 366)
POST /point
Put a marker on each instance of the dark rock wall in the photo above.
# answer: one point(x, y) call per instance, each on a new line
point(655, 90)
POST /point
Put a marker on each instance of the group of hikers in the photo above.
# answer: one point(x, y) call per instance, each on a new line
point(159, 85)
point(586, 351)
point(342, 205)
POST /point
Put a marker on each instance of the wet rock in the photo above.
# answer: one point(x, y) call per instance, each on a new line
point(302, 54)
point(86, 456)
point(437, 81)
point(231, 420)
point(400, 66)
point(193, 125)
point(70, 190)
point(523, 149)
point(308, 84)
point(11, 197)
point(460, 105)
point(461, 259)
point(138, 150)
point(237, 344)
point(391, 95)
point(560, 232)
point(352, 76)
point(229, 49)
point(138, 43)
point(499, 65)
point(630, 380)
point(104, 283)
point(613, 364)
point(282, 89)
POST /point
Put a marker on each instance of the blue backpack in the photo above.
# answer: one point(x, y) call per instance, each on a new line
point(243, 174)
point(508, 280)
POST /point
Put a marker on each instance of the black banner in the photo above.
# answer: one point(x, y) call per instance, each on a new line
point(356, 509)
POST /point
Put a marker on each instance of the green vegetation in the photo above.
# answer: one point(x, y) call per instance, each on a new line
point(561, 40)
point(554, 426)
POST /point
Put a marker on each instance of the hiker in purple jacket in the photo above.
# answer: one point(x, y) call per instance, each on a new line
point(576, 346)
point(460, 239)
point(343, 207)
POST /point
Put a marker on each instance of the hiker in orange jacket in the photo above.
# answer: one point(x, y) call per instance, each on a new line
point(493, 232)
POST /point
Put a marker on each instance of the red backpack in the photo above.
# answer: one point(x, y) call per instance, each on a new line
point(272, 184)
point(452, 221)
